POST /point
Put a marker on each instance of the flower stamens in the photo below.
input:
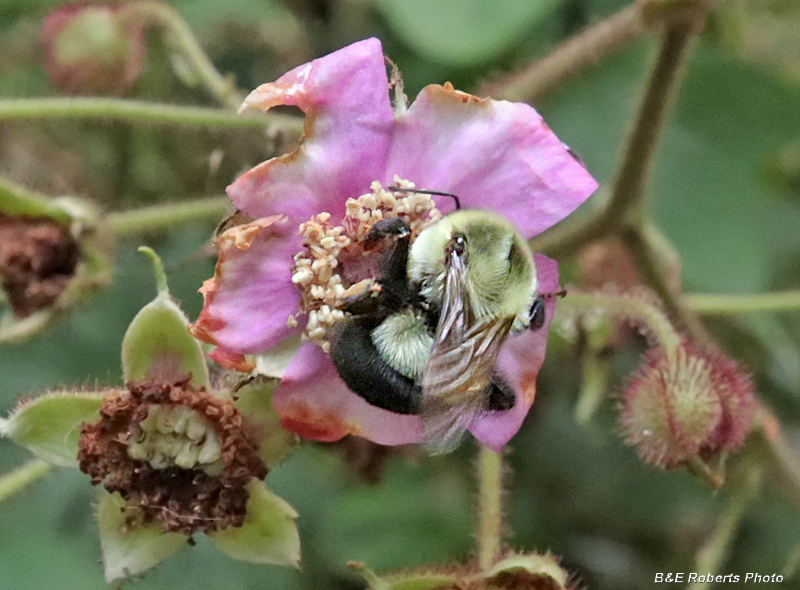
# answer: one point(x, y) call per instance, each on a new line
point(334, 261)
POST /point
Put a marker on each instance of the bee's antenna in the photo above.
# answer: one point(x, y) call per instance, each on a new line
point(424, 192)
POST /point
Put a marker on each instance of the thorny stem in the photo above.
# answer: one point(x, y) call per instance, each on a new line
point(160, 217)
point(573, 56)
point(184, 41)
point(742, 304)
point(490, 512)
point(628, 187)
point(137, 111)
point(21, 477)
point(651, 268)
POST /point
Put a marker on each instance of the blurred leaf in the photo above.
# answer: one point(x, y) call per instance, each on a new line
point(428, 509)
point(463, 32)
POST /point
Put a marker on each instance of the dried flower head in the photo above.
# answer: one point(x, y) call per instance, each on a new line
point(180, 456)
point(174, 457)
point(38, 258)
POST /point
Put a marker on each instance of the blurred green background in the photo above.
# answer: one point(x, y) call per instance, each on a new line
point(726, 191)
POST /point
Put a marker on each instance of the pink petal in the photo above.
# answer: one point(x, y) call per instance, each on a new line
point(519, 362)
point(251, 295)
point(315, 403)
point(493, 154)
point(348, 126)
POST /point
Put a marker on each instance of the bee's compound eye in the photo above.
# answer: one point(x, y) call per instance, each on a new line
point(537, 316)
point(458, 243)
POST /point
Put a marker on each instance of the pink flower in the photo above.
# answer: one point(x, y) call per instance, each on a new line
point(493, 154)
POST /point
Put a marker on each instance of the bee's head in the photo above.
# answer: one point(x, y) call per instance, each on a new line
point(480, 241)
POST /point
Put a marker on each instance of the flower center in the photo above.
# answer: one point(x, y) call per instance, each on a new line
point(176, 436)
point(182, 457)
point(334, 264)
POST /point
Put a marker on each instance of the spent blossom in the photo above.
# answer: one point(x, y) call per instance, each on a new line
point(281, 278)
point(174, 457)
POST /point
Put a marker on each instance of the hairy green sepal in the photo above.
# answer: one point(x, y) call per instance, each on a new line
point(50, 425)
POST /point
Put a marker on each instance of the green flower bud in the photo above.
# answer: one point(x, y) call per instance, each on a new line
point(687, 407)
point(92, 49)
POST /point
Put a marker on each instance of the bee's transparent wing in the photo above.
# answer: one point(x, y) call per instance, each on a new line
point(457, 376)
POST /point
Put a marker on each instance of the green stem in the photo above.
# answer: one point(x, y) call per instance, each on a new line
point(18, 200)
point(661, 88)
point(713, 552)
point(21, 477)
point(575, 55)
point(627, 306)
point(650, 264)
point(158, 269)
point(160, 217)
point(184, 41)
point(490, 512)
point(135, 111)
point(736, 304)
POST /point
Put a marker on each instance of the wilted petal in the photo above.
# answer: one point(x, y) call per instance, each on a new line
point(251, 295)
point(268, 534)
point(130, 547)
point(492, 154)
point(348, 126)
point(520, 360)
point(315, 403)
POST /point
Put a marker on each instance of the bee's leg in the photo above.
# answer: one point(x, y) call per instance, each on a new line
point(384, 228)
point(394, 281)
point(363, 303)
point(362, 368)
point(501, 395)
point(537, 313)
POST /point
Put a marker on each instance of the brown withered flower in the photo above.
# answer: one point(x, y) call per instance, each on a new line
point(181, 456)
point(38, 258)
point(175, 456)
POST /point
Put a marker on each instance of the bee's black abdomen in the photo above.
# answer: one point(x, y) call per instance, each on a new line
point(362, 368)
